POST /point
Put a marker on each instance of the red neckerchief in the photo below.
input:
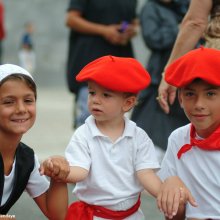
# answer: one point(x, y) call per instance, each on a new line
point(82, 211)
point(210, 143)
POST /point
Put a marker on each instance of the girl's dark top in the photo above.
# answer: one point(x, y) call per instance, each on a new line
point(84, 48)
point(23, 168)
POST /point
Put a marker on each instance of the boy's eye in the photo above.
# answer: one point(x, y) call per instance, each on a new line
point(7, 102)
point(91, 93)
point(29, 100)
point(210, 93)
point(188, 94)
point(106, 95)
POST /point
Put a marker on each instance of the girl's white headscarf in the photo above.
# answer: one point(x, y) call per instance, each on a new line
point(9, 69)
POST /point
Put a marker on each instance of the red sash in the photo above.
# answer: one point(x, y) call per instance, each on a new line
point(82, 211)
point(210, 143)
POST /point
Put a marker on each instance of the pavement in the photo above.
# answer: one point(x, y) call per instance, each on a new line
point(49, 136)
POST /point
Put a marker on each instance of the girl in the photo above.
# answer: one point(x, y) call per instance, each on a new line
point(18, 163)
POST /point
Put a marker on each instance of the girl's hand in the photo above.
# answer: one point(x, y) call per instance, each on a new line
point(112, 34)
point(56, 167)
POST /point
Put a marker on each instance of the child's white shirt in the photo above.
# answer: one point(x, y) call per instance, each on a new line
point(36, 186)
point(199, 170)
point(112, 166)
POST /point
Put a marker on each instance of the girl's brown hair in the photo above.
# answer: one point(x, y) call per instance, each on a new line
point(26, 79)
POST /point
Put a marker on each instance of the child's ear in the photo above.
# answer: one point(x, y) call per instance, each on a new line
point(180, 98)
point(129, 103)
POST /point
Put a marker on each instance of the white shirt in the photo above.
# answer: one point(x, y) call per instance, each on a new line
point(36, 186)
point(199, 170)
point(112, 166)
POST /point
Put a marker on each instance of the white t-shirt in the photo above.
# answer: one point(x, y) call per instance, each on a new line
point(199, 170)
point(112, 166)
point(36, 186)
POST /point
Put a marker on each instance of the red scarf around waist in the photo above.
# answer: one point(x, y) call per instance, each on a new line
point(82, 211)
point(210, 143)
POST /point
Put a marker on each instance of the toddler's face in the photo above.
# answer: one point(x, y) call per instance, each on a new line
point(201, 103)
point(105, 104)
point(17, 107)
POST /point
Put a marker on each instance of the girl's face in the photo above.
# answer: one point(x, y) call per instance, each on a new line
point(17, 107)
point(106, 105)
point(201, 103)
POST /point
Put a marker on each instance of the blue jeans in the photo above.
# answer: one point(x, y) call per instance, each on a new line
point(82, 111)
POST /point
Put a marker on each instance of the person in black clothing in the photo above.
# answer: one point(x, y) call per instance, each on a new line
point(159, 22)
point(97, 28)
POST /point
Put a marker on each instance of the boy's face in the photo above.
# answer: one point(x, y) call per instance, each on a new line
point(201, 103)
point(17, 107)
point(107, 105)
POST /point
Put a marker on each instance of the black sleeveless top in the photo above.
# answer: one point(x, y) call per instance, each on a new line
point(23, 168)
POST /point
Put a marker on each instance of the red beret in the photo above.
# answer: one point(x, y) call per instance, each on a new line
point(116, 73)
point(203, 63)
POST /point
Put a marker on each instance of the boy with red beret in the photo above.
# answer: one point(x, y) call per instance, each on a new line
point(193, 152)
point(111, 160)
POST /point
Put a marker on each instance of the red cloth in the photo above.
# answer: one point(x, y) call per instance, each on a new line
point(210, 143)
point(83, 211)
point(203, 63)
point(123, 74)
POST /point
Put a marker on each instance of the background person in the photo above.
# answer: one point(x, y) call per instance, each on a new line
point(201, 20)
point(97, 28)
point(27, 57)
point(159, 21)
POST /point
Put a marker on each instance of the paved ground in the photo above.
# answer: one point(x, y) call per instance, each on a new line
point(50, 136)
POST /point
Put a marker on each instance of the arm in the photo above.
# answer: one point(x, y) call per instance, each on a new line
point(191, 30)
point(152, 184)
point(150, 181)
point(58, 168)
point(77, 22)
point(77, 174)
point(54, 202)
point(173, 196)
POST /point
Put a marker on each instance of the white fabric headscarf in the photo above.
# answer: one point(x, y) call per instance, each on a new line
point(9, 69)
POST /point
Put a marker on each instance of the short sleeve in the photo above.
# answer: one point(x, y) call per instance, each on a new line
point(37, 184)
point(168, 165)
point(77, 152)
point(145, 156)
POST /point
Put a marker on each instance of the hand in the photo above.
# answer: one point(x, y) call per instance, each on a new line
point(55, 167)
point(112, 35)
point(130, 31)
point(167, 95)
point(172, 195)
